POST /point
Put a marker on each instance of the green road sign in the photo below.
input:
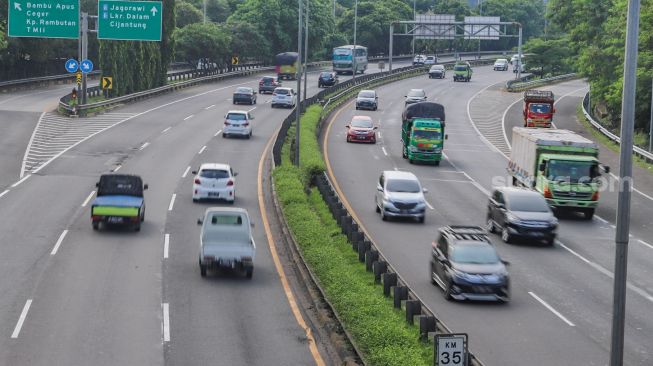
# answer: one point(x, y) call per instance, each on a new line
point(44, 18)
point(129, 20)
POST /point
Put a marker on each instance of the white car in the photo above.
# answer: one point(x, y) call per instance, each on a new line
point(284, 97)
point(501, 64)
point(419, 60)
point(430, 60)
point(214, 181)
point(237, 123)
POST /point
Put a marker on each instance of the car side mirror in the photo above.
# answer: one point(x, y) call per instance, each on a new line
point(446, 137)
point(97, 185)
point(235, 174)
point(199, 222)
point(379, 188)
point(347, 126)
point(424, 190)
point(542, 167)
point(251, 117)
point(254, 93)
point(376, 127)
point(251, 224)
point(145, 186)
point(505, 262)
point(606, 169)
point(194, 172)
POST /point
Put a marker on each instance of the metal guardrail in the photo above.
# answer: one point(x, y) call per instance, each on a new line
point(636, 150)
point(525, 82)
point(374, 260)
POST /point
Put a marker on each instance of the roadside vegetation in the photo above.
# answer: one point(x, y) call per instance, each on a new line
point(379, 331)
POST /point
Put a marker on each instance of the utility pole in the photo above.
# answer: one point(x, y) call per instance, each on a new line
point(353, 55)
point(308, 2)
point(650, 124)
point(519, 53)
point(625, 185)
point(414, 16)
point(480, 13)
point(298, 109)
point(204, 9)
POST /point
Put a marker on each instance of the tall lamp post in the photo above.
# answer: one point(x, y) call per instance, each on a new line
point(353, 52)
point(414, 15)
point(298, 109)
point(308, 2)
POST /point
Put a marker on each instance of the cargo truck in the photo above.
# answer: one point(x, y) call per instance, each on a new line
point(422, 132)
point(538, 108)
point(119, 201)
point(560, 164)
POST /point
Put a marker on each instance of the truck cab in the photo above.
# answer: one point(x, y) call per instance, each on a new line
point(422, 132)
point(462, 71)
point(538, 108)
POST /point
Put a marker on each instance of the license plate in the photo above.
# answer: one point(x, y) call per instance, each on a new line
point(361, 137)
point(115, 220)
point(214, 194)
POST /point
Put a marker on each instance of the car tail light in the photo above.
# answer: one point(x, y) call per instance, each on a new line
point(274, 94)
point(96, 218)
point(246, 259)
point(209, 258)
point(547, 193)
point(135, 219)
point(595, 196)
point(226, 123)
point(245, 124)
point(260, 83)
point(230, 183)
point(197, 181)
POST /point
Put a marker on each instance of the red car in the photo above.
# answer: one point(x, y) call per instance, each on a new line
point(361, 129)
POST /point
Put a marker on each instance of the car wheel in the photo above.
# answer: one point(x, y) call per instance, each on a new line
point(411, 161)
point(378, 210)
point(490, 226)
point(376, 107)
point(550, 242)
point(588, 213)
point(137, 227)
point(195, 200)
point(421, 219)
point(96, 225)
point(437, 163)
point(356, 107)
point(224, 135)
point(505, 235)
point(403, 154)
point(432, 274)
point(447, 292)
point(383, 216)
point(249, 273)
point(202, 269)
point(373, 141)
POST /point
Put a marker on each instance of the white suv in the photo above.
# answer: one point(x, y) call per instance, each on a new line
point(237, 123)
point(284, 96)
point(214, 181)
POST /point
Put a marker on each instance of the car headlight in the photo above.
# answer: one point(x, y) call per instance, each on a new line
point(554, 223)
point(412, 148)
point(513, 219)
point(437, 150)
point(458, 274)
point(420, 205)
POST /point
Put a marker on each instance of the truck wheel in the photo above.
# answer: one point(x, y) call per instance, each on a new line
point(403, 154)
point(137, 227)
point(437, 163)
point(421, 219)
point(411, 161)
point(202, 270)
point(96, 225)
point(249, 273)
point(588, 213)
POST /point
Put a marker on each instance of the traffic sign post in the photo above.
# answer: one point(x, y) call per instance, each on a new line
point(107, 82)
point(86, 66)
point(43, 18)
point(450, 350)
point(235, 60)
point(129, 20)
point(72, 65)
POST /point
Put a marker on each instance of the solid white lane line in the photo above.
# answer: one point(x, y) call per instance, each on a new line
point(217, 133)
point(172, 201)
point(446, 180)
point(428, 204)
point(189, 117)
point(3, 193)
point(209, 107)
point(59, 241)
point(185, 172)
point(20, 181)
point(633, 187)
point(554, 311)
point(202, 149)
point(609, 274)
point(166, 245)
point(29, 145)
point(166, 130)
point(476, 184)
point(88, 199)
point(144, 146)
point(21, 319)
point(166, 322)
point(645, 243)
point(384, 152)
point(601, 219)
point(249, 110)
point(117, 168)
point(379, 133)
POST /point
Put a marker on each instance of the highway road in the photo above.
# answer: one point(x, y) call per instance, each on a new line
point(73, 296)
point(561, 295)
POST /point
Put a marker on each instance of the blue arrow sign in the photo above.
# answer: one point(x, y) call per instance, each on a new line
point(72, 65)
point(86, 66)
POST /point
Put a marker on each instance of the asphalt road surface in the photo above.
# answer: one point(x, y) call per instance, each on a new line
point(560, 312)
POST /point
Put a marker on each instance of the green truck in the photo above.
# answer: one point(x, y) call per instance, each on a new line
point(560, 164)
point(462, 71)
point(422, 132)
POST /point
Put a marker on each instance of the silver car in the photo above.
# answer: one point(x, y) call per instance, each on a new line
point(399, 194)
point(415, 96)
point(237, 123)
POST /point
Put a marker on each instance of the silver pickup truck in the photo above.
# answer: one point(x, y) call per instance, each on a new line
point(226, 240)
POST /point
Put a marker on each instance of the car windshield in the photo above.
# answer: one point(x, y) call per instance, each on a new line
point(325, 75)
point(527, 203)
point(460, 68)
point(402, 185)
point(416, 93)
point(469, 253)
point(361, 123)
point(366, 94)
point(223, 219)
point(427, 135)
point(572, 171)
point(437, 68)
point(268, 80)
point(236, 116)
point(125, 185)
point(244, 91)
point(501, 61)
point(282, 91)
point(540, 108)
point(214, 174)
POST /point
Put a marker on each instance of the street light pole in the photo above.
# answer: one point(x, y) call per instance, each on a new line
point(650, 124)
point(414, 15)
point(204, 9)
point(625, 186)
point(480, 13)
point(308, 2)
point(298, 109)
point(353, 55)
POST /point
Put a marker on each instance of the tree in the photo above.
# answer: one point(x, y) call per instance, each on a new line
point(548, 57)
point(216, 10)
point(202, 41)
point(248, 41)
point(187, 14)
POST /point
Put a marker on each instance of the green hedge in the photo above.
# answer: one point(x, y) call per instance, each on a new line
point(380, 331)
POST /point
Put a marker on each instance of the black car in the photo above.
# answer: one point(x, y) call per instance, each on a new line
point(327, 78)
point(244, 95)
point(521, 212)
point(466, 265)
point(267, 84)
point(367, 99)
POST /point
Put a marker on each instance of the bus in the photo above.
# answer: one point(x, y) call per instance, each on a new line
point(286, 65)
point(342, 59)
